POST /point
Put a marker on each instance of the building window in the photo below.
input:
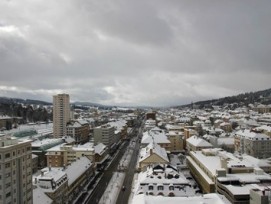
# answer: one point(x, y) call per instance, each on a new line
point(7, 165)
point(150, 188)
point(160, 188)
point(7, 155)
point(171, 188)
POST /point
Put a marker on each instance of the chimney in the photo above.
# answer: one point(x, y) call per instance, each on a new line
point(150, 151)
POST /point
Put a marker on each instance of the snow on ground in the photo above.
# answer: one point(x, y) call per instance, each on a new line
point(125, 160)
point(212, 198)
point(113, 189)
point(41, 126)
point(115, 185)
point(133, 190)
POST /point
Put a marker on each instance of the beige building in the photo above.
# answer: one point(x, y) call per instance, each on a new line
point(197, 163)
point(176, 139)
point(151, 155)
point(188, 132)
point(63, 155)
point(15, 171)
point(233, 176)
point(61, 114)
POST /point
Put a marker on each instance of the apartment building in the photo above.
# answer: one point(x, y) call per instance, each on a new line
point(79, 130)
point(61, 114)
point(15, 171)
point(59, 185)
point(176, 139)
point(255, 144)
point(104, 134)
point(63, 155)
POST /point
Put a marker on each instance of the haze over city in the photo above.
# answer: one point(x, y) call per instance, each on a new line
point(156, 53)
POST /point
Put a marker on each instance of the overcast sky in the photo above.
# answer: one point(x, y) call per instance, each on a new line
point(134, 52)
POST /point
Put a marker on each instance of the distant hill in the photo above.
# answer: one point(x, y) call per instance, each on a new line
point(6, 100)
point(263, 97)
point(79, 104)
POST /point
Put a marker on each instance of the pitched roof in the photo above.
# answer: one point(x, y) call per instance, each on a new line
point(156, 149)
point(198, 142)
point(157, 137)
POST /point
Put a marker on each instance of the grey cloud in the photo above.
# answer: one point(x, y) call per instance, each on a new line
point(134, 52)
point(135, 21)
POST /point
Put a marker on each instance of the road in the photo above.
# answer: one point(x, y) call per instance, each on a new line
point(123, 197)
point(100, 188)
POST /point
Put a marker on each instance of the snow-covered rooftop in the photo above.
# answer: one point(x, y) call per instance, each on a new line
point(247, 134)
point(74, 172)
point(155, 148)
point(99, 148)
point(166, 176)
point(157, 137)
point(198, 142)
point(44, 142)
point(207, 198)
